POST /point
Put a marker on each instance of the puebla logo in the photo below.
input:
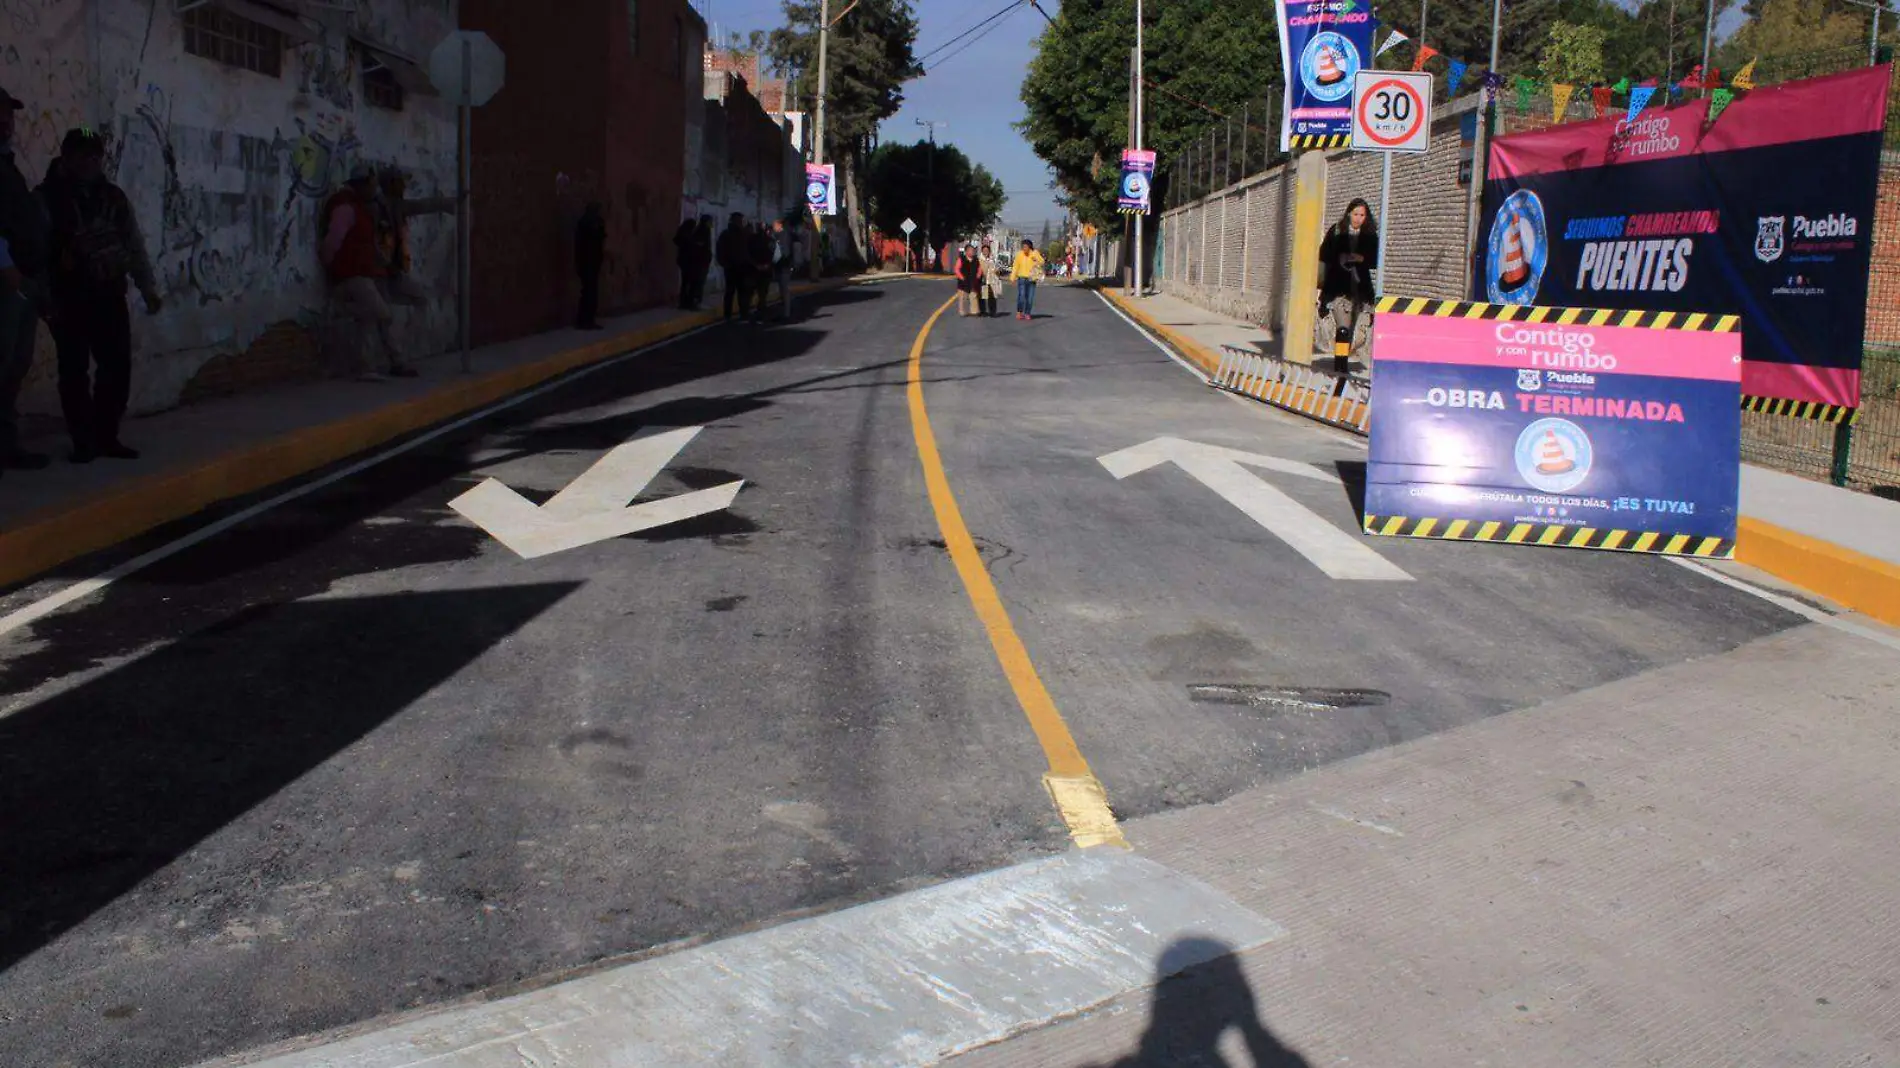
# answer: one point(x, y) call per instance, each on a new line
point(815, 191)
point(1327, 66)
point(1518, 251)
point(1770, 236)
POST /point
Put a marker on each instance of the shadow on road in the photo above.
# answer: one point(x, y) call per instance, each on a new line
point(1200, 995)
point(1352, 475)
point(105, 785)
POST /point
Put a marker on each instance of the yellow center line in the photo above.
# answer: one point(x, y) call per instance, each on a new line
point(1077, 793)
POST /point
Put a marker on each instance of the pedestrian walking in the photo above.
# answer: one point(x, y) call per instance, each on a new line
point(25, 232)
point(992, 289)
point(969, 281)
point(1347, 257)
point(347, 250)
point(733, 263)
point(1027, 270)
point(699, 260)
point(590, 253)
point(760, 249)
point(683, 259)
point(95, 244)
point(786, 241)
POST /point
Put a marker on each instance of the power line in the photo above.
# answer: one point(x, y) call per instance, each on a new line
point(973, 40)
point(1007, 8)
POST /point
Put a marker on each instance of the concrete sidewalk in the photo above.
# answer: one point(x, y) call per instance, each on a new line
point(1840, 544)
point(200, 454)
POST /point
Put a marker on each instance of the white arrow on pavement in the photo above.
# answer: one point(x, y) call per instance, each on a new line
point(594, 506)
point(1340, 554)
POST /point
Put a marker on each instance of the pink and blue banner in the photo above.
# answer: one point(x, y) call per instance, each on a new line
point(1323, 43)
point(1766, 212)
point(1137, 184)
point(1555, 426)
point(820, 182)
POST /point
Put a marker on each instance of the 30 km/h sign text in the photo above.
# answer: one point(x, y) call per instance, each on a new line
point(1391, 111)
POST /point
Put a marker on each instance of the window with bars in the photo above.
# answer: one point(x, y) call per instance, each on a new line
point(216, 34)
point(381, 89)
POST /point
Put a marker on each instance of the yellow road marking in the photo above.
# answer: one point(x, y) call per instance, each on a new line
point(1077, 793)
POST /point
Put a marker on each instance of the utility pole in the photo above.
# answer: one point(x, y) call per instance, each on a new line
point(1422, 5)
point(1708, 43)
point(818, 134)
point(1139, 290)
point(930, 180)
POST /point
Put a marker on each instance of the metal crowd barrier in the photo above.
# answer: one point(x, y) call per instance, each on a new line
point(1341, 400)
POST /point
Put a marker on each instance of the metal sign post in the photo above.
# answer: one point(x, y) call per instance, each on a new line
point(468, 69)
point(1391, 113)
point(909, 228)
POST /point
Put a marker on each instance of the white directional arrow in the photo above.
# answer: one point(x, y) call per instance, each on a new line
point(594, 506)
point(1332, 550)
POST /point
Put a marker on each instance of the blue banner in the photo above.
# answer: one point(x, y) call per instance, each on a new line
point(1323, 43)
point(1137, 184)
point(1555, 433)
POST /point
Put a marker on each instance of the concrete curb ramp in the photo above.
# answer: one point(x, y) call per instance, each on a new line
point(45, 541)
point(1849, 578)
point(906, 981)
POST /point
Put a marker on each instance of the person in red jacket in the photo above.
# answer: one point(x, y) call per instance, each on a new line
point(356, 270)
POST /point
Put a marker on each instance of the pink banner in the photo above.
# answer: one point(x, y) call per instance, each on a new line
point(1576, 348)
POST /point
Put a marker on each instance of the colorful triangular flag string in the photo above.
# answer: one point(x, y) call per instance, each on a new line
point(1744, 78)
point(1454, 78)
point(1525, 88)
point(1425, 52)
point(1719, 102)
point(1560, 100)
point(1600, 99)
point(1639, 99)
point(1392, 40)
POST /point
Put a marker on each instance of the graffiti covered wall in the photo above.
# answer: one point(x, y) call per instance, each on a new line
point(226, 167)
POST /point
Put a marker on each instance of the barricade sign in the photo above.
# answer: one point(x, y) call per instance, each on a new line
point(1555, 426)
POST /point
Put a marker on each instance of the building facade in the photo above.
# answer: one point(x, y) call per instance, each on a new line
point(228, 122)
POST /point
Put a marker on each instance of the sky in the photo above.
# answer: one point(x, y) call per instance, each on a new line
point(974, 94)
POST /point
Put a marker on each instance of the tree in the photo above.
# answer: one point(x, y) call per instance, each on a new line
point(1574, 54)
point(901, 181)
point(868, 60)
point(1044, 242)
point(1205, 52)
point(1785, 33)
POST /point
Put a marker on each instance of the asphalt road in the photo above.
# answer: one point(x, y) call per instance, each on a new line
point(355, 756)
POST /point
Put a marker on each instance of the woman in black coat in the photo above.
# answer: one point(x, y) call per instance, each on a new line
point(1347, 258)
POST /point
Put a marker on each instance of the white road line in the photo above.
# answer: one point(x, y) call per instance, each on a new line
point(1152, 340)
point(45, 606)
point(1805, 611)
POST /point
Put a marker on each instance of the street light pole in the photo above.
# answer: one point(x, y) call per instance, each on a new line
point(930, 180)
point(818, 120)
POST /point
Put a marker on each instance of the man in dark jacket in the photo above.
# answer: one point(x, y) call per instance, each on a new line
point(759, 248)
point(23, 240)
point(96, 244)
point(732, 255)
point(590, 251)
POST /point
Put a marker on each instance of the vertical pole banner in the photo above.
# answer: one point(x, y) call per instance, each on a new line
point(1582, 429)
point(818, 186)
point(1138, 172)
point(1765, 211)
point(1323, 43)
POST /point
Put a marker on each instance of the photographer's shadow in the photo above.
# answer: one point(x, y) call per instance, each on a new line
point(1199, 996)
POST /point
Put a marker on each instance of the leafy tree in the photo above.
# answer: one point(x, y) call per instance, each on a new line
point(959, 198)
point(868, 60)
point(1461, 29)
point(1574, 54)
point(1784, 33)
point(1210, 52)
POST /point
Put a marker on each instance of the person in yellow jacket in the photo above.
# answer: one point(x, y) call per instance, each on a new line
point(1027, 271)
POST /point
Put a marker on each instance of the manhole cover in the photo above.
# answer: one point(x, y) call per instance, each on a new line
point(1301, 698)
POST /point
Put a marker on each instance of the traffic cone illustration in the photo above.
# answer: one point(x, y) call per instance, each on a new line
point(1512, 272)
point(1329, 70)
point(1551, 460)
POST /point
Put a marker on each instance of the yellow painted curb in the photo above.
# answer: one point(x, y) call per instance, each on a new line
point(1852, 579)
point(52, 537)
point(1207, 361)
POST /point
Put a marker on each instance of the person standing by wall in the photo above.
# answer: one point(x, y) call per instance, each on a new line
point(95, 244)
point(590, 251)
point(347, 249)
point(699, 260)
point(391, 209)
point(1347, 258)
point(732, 255)
point(24, 233)
point(759, 252)
point(1027, 270)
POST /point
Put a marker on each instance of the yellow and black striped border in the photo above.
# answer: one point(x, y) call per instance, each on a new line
point(1629, 541)
point(1531, 313)
point(1815, 410)
point(1318, 140)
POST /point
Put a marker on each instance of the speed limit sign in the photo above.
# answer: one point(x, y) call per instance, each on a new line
point(1391, 111)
